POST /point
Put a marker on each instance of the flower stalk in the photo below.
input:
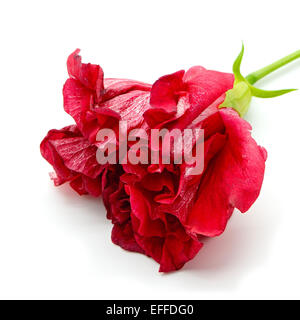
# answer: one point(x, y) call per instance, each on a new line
point(239, 97)
point(261, 73)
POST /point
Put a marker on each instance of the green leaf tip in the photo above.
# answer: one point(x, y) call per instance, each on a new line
point(259, 93)
point(237, 65)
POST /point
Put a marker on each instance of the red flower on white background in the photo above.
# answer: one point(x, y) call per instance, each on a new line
point(161, 210)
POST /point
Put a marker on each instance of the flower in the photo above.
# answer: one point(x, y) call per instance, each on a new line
point(161, 210)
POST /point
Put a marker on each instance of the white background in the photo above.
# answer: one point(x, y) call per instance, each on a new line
point(55, 244)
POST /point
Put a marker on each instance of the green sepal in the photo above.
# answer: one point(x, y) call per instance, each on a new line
point(239, 97)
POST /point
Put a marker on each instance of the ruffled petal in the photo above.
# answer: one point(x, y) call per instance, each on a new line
point(115, 87)
point(166, 91)
point(233, 179)
point(85, 185)
point(164, 239)
point(89, 75)
point(73, 159)
point(205, 86)
point(177, 252)
point(122, 235)
point(128, 107)
point(179, 98)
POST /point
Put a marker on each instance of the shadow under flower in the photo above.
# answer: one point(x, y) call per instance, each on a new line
point(244, 246)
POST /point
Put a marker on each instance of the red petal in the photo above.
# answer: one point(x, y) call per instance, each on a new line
point(205, 86)
point(164, 239)
point(233, 179)
point(179, 98)
point(165, 92)
point(116, 87)
point(77, 99)
point(142, 217)
point(122, 235)
point(89, 75)
point(177, 252)
point(85, 185)
point(73, 159)
point(128, 107)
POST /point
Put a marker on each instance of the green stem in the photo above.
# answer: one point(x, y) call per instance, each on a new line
point(240, 95)
point(259, 74)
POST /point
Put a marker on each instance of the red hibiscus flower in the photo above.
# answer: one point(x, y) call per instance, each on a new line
point(161, 209)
